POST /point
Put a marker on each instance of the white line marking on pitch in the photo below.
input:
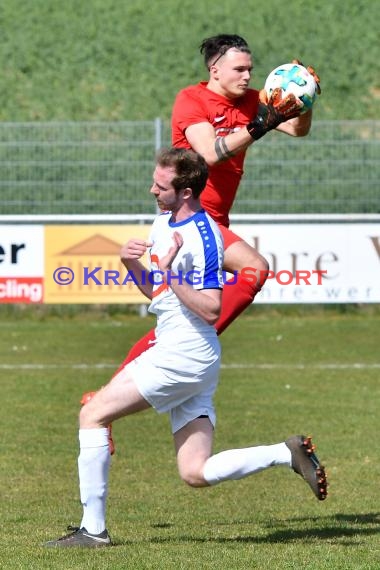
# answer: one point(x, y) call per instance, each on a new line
point(242, 366)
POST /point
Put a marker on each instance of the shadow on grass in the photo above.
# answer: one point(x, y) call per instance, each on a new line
point(338, 526)
point(368, 518)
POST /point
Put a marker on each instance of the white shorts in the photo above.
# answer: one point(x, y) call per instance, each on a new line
point(179, 378)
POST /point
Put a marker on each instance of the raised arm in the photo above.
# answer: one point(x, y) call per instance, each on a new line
point(271, 114)
point(203, 139)
point(130, 256)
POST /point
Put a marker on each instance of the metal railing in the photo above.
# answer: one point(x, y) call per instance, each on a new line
point(106, 168)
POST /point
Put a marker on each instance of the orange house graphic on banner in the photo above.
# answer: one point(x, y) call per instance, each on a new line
point(82, 264)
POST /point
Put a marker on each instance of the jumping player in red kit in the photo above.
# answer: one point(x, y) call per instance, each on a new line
point(220, 119)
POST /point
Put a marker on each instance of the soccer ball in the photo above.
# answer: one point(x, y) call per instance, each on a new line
point(293, 78)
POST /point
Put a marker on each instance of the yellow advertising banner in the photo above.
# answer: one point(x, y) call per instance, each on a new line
point(82, 264)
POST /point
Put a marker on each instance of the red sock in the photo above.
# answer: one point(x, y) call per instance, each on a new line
point(138, 348)
point(236, 297)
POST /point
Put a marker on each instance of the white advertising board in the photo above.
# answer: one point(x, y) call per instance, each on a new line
point(21, 264)
point(318, 263)
point(309, 262)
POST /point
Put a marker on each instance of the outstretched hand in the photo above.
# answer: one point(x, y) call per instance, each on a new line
point(288, 106)
point(165, 262)
point(272, 111)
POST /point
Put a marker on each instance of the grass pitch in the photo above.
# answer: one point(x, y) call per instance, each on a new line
point(282, 374)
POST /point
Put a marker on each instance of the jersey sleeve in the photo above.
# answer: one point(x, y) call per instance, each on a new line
point(188, 109)
point(208, 261)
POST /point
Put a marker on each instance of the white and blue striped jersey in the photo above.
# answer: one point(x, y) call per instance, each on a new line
point(198, 262)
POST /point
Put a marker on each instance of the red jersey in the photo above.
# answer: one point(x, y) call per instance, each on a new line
point(197, 104)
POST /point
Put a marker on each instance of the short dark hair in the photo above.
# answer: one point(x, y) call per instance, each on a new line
point(213, 48)
point(190, 167)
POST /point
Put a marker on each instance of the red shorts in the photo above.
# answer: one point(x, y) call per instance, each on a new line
point(228, 236)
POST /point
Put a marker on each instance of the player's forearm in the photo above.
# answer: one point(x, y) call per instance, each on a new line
point(204, 305)
point(214, 149)
point(299, 126)
point(139, 275)
point(226, 147)
point(270, 115)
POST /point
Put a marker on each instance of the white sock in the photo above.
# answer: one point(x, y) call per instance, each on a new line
point(239, 463)
point(93, 467)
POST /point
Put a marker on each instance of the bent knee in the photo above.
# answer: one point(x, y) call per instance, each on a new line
point(260, 263)
point(253, 261)
point(85, 415)
point(263, 270)
point(89, 416)
point(256, 270)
